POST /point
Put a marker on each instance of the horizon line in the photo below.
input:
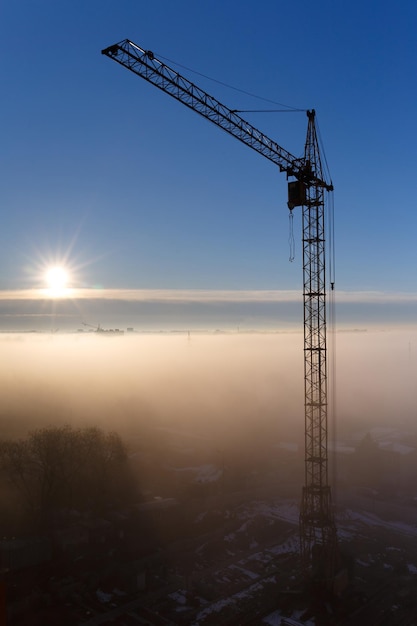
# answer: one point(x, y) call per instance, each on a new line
point(200, 295)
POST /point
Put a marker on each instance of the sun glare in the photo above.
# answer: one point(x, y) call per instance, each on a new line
point(57, 280)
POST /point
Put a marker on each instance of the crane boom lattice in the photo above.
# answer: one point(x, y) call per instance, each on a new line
point(317, 526)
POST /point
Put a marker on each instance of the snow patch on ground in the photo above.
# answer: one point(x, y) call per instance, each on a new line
point(275, 619)
point(355, 518)
point(233, 600)
point(178, 596)
point(247, 572)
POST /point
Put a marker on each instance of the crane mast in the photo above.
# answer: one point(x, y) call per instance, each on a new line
point(317, 526)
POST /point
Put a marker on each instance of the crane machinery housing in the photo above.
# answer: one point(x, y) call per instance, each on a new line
point(307, 188)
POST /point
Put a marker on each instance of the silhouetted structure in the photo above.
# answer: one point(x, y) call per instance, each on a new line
point(317, 527)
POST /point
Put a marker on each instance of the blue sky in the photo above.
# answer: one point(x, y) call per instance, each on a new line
point(132, 191)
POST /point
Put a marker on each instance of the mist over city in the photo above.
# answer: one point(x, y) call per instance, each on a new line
point(195, 440)
point(217, 384)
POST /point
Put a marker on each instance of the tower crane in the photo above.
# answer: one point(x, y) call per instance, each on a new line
point(307, 188)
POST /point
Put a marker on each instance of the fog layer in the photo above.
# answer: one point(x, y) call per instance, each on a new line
point(218, 386)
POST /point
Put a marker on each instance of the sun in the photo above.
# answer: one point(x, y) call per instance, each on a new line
point(57, 279)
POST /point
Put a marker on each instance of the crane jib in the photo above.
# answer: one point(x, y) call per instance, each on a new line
point(145, 64)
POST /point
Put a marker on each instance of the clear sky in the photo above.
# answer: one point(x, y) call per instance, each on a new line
point(105, 174)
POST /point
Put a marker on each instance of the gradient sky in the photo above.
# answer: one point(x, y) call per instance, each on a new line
point(131, 190)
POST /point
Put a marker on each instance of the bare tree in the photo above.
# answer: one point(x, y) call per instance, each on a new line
point(61, 467)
